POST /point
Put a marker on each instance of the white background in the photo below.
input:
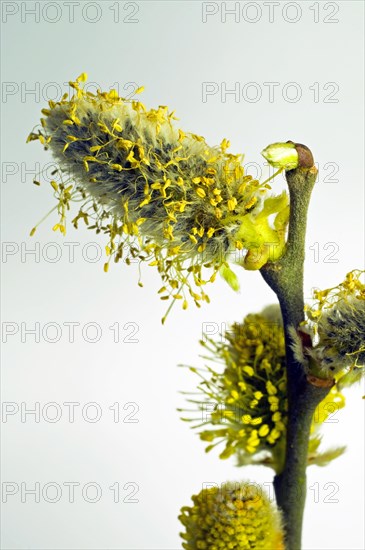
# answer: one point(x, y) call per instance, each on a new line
point(171, 51)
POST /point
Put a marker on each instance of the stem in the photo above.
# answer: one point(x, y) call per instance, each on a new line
point(285, 277)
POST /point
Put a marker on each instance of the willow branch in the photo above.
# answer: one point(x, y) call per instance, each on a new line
point(285, 277)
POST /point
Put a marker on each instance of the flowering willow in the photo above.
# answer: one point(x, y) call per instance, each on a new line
point(245, 406)
point(238, 516)
point(332, 341)
point(160, 195)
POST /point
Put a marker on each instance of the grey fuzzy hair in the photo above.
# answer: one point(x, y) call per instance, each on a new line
point(341, 332)
point(113, 188)
point(297, 346)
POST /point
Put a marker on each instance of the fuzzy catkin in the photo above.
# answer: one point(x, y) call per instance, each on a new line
point(163, 194)
point(236, 516)
point(335, 325)
point(160, 177)
point(244, 405)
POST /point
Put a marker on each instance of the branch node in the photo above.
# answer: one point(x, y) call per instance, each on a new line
point(320, 382)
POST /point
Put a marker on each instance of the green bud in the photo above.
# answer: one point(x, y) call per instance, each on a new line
point(230, 277)
point(282, 155)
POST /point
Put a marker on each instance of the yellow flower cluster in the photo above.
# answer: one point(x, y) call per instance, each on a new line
point(246, 403)
point(236, 516)
point(160, 195)
point(337, 322)
point(351, 288)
